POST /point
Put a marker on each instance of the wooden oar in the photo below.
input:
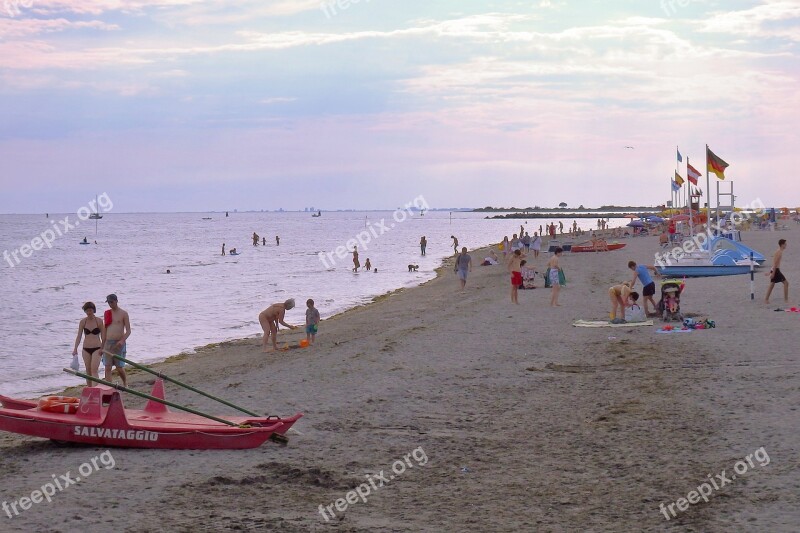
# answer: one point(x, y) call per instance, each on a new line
point(184, 385)
point(149, 397)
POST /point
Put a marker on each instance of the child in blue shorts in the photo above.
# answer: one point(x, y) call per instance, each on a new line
point(312, 321)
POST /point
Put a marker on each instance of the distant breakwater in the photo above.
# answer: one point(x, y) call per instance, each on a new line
point(571, 215)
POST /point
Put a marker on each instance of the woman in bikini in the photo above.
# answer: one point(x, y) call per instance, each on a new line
point(94, 330)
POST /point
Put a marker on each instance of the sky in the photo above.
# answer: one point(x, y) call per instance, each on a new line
point(194, 105)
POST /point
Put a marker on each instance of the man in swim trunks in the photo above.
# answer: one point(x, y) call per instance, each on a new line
point(269, 319)
point(356, 262)
point(649, 286)
point(775, 275)
point(463, 265)
point(515, 268)
point(118, 329)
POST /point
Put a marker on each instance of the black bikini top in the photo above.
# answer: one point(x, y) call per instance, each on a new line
point(95, 331)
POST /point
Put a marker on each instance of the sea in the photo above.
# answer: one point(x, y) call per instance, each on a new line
point(207, 297)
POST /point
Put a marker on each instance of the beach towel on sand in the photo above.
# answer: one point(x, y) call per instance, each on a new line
point(607, 324)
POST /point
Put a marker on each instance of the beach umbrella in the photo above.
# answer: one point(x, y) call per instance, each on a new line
point(635, 224)
point(653, 218)
point(680, 218)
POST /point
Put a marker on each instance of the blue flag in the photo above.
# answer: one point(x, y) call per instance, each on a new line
point(675, 186)
point(680, 157)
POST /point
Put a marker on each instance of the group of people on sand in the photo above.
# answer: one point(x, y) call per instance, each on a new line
point(274, 315)
point(103, 338)
point(625, 301)
point(517, 266)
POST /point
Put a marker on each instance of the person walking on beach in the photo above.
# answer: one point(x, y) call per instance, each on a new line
point(223, 248)
point(553, 229)
point(312, 321)
point(775, 274)
point(514, 243)
point(515, 268)
point(526, 242)
point(455, 243)
point(118, 329)
point(554, 273)
point(269, 319)
point(536, 244)
point(506, 246)
point(561, 227)
point(463, 266)
point(356, 263)
point(423, 243)
point(93, 330)
point(641, 272)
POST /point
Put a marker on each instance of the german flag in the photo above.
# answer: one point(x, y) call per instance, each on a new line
point(715, 164)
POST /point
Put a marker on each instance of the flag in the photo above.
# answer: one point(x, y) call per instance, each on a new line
point(680, 157)
point(715, 164)
point(679, 180)
point(693, 174)
point(675, 186)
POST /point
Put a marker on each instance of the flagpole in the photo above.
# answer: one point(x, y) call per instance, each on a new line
point(691, 217)
point(708, 195)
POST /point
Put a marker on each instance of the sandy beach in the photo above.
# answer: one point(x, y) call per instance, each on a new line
point(523, 422)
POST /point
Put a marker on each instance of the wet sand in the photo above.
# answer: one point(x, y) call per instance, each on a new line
point(527, 423)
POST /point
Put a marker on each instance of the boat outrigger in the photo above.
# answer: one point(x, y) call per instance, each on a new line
point(99, 418)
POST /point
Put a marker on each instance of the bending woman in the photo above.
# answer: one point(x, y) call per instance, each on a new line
point(94, 330)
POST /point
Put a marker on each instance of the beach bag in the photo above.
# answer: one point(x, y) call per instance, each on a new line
point(75, 365)
point(635, 314)
point(562, 279)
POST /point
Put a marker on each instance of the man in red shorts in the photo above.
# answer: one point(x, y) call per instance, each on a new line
point(515, 267)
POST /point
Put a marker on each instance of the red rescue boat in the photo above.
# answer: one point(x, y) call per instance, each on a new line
point(102, 420)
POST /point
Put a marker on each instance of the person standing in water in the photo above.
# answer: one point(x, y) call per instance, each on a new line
point(368, 265)
point(94, 330)
point(423, 243)
point(356, 263)
point(118, 329)
point(255, 239)
point(455, 243)
point(269, 319)
point(263, 241)
point(223, 248)
point(277, 241)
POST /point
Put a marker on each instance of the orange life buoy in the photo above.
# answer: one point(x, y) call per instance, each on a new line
point(59, 404)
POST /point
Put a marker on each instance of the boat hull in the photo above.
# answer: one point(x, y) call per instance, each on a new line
point(102, 420)
point(702, 271)
point(589, 248)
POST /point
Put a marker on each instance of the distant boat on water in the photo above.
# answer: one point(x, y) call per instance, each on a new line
point(317, 214)
point(95, 215)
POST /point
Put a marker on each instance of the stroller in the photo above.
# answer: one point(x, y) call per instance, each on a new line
point(669, 306)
